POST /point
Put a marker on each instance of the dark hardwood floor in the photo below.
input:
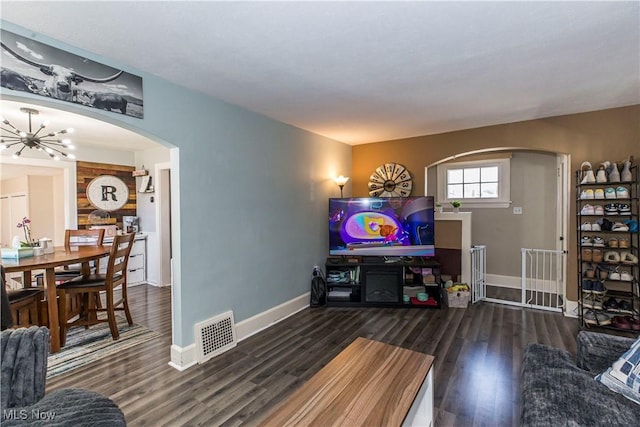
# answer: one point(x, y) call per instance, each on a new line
point(477, 362)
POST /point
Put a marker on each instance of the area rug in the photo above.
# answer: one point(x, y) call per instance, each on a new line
point(85, 346)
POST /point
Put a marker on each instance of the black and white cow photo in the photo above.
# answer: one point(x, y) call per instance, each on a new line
point(32, 66)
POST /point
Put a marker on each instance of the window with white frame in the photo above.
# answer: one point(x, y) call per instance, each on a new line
point(478, 183)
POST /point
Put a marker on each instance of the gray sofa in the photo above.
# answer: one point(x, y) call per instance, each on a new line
point(23, 402)
point(560, 391)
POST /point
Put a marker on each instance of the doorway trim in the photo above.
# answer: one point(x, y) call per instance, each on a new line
point(163, 201)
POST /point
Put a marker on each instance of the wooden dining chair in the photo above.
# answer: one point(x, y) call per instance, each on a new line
point(75, 238)
point(24, 305)
point(90, 287)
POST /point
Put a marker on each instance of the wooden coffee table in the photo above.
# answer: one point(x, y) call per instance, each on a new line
point(368, 384)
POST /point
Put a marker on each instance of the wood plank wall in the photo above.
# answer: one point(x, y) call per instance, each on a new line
point(86, 171)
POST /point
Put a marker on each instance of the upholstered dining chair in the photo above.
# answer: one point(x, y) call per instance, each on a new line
point(90, 287)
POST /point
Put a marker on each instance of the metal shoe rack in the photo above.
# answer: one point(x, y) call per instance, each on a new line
point(608, 271)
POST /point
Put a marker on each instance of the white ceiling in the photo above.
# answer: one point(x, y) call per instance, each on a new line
point(362, 72)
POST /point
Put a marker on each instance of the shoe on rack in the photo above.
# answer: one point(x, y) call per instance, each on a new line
point(597, 255)
point(625, 276)
point(596, 318)
point(599, 242)
point(623, 243)
point(625, 175)
point(598, 193)
point(632, 225)
point(590, 273)
point(587, 210)
point(613, 174)
point(586, 194)
point(614, 275)
point(601, 174)
point(595, 227)
point(612, 256)
point(587, 286)
point(622, 193)
point(611, 209)
point(610, 305)
point(621, 322)
point(619, 226)
point(613, 242)
point(586, 254)
point(586, 301)
point(598, 287)
point(587, 173)
point(586, 226)
point(603, 272)
point(628, 258)
point(586, 241)
point(624, 209)
point(635, 323)
point(624, 306)
point(605, 224)
point(609, 193)
point(598, 210)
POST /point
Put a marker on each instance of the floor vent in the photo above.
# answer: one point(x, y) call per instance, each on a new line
point(215, 336)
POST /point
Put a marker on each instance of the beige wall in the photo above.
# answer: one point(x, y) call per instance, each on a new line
point(612, 134)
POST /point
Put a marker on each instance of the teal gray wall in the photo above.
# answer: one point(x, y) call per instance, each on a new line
point(253, 196)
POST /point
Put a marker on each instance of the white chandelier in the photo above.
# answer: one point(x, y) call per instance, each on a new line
point(46, 142)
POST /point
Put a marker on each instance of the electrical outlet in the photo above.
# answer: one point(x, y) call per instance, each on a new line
point(517, 210)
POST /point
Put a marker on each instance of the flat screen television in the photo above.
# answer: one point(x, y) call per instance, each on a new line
point(382, 226)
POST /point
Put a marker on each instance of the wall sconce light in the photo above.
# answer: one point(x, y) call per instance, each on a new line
point(341, 181)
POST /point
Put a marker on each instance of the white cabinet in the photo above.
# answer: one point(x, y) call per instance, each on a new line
point(136, 269)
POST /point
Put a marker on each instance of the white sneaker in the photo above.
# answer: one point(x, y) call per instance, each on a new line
point(601, 175)
point(628, 258)
point(598, 210)
point(610, 193)
point(626, 276)
point(587, 210)
point(622, 193)
point(586, 194)
point(595, 227)
point(626, 172)
point(613, 173)
point(586, 241)
point(619, 226)
point(612, 257)
point(598, 193)
point(587, 173)
point(598, 241)
point(586, 226)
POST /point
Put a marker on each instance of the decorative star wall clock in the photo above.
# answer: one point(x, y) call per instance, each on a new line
point(390, 180)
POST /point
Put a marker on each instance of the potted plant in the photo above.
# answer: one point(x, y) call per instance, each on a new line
point(456, 205)
point(438, 207)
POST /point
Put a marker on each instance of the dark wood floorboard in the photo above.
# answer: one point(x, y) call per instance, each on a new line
point(477, 367)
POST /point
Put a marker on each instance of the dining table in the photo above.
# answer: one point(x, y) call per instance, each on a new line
point(60, 257)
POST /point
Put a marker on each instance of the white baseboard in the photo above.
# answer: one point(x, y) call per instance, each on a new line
point(261, 321)
point(183, 358)
point(571, 309)
point(499, 280)
point(513, 282)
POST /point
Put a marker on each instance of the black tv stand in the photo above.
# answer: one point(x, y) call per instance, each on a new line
point(373, 281)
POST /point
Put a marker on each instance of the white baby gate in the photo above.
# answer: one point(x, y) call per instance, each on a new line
point(542, 281)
